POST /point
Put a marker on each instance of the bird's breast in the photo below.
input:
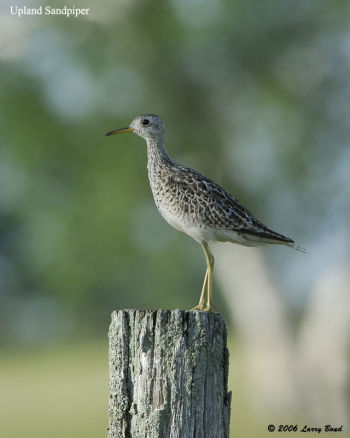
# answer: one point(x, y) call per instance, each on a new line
point(177, 207)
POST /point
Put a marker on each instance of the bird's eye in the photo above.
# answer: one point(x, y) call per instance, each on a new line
point(145, 122)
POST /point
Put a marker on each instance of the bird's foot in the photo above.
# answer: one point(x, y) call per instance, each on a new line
point(205, 308)
point(200, 307)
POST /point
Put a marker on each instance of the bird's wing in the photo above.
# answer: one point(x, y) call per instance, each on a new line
point(220, 207)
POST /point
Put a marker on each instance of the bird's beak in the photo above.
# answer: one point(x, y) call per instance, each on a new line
point(120, 131)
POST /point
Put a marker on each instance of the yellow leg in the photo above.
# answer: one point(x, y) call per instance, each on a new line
point(204, 290)
point(208, 281)
point(210, 263)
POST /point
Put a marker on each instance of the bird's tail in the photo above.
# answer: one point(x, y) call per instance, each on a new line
point(297, 247)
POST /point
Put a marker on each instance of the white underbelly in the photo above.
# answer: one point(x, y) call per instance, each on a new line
point(204, 233)
point(200, 232)
point(181, 224)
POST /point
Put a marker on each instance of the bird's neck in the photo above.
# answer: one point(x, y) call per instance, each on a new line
point(157, 154)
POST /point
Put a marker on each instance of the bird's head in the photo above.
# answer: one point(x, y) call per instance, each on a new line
point(147, 126)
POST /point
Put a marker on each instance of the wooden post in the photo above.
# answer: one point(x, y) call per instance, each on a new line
point(168, 375)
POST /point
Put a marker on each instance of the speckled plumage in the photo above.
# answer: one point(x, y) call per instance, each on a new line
point(198, 206)
point(195, 204)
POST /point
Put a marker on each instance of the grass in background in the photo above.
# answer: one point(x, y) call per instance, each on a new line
point(55, 393)
point(63, 392)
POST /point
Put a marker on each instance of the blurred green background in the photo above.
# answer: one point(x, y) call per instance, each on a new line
point(255, 95)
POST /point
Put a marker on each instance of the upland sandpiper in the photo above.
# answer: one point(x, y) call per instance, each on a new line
point(195, 204)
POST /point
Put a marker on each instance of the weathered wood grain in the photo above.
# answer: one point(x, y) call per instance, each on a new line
point(168, 375)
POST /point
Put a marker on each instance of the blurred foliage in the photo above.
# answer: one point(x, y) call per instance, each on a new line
point(254, 94)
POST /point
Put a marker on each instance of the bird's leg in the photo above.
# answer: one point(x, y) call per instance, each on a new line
point(204, 290)
point(210, 263)
point(208, 281)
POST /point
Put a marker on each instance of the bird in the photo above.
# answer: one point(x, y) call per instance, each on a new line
point(197, 205)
